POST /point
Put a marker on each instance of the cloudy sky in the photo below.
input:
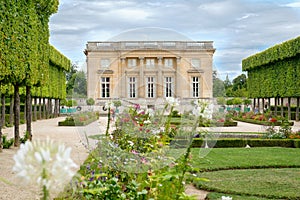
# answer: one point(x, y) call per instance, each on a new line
point(238, 28)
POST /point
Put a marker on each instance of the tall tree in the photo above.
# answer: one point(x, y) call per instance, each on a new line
point(24, 36)
point(238, 87)
point(218, 86)
point(227, 82)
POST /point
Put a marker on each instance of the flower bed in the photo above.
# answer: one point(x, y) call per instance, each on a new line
point(81, 119)
point(261, 122)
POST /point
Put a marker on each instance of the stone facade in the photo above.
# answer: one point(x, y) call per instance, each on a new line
point(147, 71)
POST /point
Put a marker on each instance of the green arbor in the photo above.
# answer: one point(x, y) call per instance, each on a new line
point(275, 73)
point(27, 61)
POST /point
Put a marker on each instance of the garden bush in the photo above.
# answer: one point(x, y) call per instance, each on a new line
point(80, 119)
point(235, 142)
point(7, 143)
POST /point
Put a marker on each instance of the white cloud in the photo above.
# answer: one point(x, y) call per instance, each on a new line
point(294, 4)
point(238, 28)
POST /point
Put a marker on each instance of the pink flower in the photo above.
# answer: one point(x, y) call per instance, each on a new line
point(143, 160)
point(134, 152)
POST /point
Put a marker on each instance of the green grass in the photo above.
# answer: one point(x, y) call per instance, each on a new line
point(218, 196)
point(243, 158)
point(271, 183)
point(250, 174)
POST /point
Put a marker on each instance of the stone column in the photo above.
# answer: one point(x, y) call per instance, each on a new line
point(122, 87)
point(141, 92)
point(159, 81)
point(178, 79)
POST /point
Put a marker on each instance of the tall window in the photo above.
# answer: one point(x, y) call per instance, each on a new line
point(131, 62)
point(168, 87)
point(132, 87)
point(168, 62)
point(150, 87)
point(195, 62)
point(104, 63)
point(105, 87)
point(195, 86)
point(150, 62)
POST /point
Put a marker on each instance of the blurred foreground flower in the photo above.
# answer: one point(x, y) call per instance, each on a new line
point(172, 101)
point(226, 198)
point(44, 163)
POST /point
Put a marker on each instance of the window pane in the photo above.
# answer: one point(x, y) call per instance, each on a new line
point(105, 87)
point(150, 62)
point(131, 62)
point(104, 62)
point(168, 62)
point(168, 87)
point(150, 87)
point(132, 87)
point(195, 86)
point(195, 62)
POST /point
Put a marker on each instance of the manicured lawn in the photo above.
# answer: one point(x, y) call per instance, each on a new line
point(217, 196)
point(241, 158)
point(255, 173)
point(272, 183)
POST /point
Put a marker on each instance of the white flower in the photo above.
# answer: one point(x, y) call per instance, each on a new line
point(109, 104)
point(172, 101)
point(150, 112)
point(197, 112)
point(44, 163)
point(147, 122)
point(203, 109)
point(130, 143)
point(226, 198)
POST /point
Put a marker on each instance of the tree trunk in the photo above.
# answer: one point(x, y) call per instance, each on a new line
point(1, 122)
point(263, 105)
point(289, 108)
point(40, 108)
point(17, 115)
point(44, 108)
point(281, 99)
point(49, 108)
point(3, 110)
point(35, 109)
point(56, 108)
point(28, 112)
point(258, 105)
point(254, 105)
point(297, 109)
point(275, 109)
point(11, 111)
point(25, 110)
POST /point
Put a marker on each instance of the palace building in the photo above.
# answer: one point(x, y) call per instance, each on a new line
point(147, 71)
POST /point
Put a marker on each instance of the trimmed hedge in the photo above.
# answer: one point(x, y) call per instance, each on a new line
point(288, 49)
point(217, 124)
point(77, 123)
point(228, 142)
point(265, 123)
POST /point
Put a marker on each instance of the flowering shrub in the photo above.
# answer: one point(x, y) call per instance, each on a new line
point(142, 158)
point(294, 135)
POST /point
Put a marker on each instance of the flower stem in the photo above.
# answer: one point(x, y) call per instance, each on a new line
point(108, 122)
point(45, 190)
